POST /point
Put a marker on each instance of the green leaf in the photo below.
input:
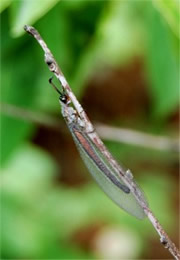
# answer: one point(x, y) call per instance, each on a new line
point(13, 131)
point(28, 12)
point(17, 87)
point(4, 4)
point(161, 65)
point(117, 39)
point(25, 182)
point(169, 9)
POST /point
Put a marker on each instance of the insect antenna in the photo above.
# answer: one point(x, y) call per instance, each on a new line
point(50, 81)
point(63, 97)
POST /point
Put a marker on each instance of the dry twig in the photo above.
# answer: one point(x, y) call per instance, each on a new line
point(128, 180)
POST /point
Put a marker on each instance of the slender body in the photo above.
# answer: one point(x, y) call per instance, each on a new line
point(98, 165)
point(104, 175)
point(88, 149)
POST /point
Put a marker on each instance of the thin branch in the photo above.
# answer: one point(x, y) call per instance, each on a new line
point(138, 138)
point(128, 179)
point(28, 115)
point(117, 134)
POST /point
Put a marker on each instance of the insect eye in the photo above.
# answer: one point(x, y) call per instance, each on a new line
point(63, 99)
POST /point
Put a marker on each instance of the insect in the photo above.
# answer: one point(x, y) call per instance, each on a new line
point(98, 165)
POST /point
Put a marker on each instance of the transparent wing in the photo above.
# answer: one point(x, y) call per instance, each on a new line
point(126, 201)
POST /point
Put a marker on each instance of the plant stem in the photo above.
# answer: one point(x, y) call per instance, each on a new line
point(53, 67)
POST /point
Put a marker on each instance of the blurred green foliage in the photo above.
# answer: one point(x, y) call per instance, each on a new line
point(39, 216)
point(162, 64)
point(170, 11)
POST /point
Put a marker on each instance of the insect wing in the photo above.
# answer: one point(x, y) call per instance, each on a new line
point(126, 201)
